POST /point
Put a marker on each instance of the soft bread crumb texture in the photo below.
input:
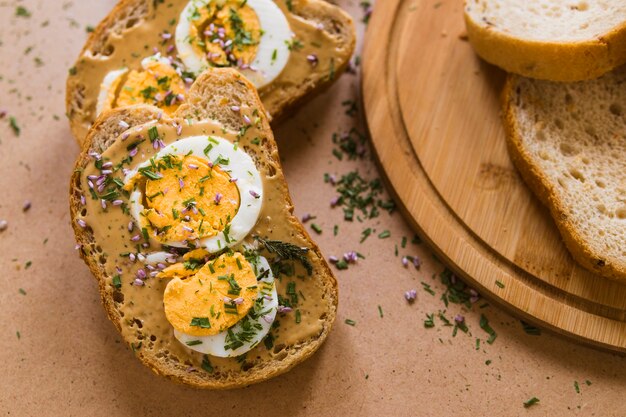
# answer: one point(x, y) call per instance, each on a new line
point(569, 142)
point(549, 39)
point(549, 20)
point(226, 86)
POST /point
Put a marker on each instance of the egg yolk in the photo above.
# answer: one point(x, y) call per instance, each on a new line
point(158, 84)
point(193, 260)
point(228, 35)
point(191, 200)
point(220, 294)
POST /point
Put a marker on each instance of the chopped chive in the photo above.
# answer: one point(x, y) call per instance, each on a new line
point(530, 329)
point(193, 342)
point(427, 288)
point(365, 234)
point(499, 284)
point(206, 365)
point(14, 126)
point(380, 311)
point(350, 322)
point(22, 11)
point(153, 133)
point(316, 228)
point(117, 282)
point(484, 324)
point(531, 402)
point(342, 264)
point(384, 235)
point(202, 322)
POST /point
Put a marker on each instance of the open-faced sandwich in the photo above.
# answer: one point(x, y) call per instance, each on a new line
point(150, 52)
point(186, 222)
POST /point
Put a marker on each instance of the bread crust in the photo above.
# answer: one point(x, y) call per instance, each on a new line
point(544, 189)
point(310, 9)
point(107, 125)
point(553, 61)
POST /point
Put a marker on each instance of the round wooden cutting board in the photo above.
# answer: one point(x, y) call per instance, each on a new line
point(433, 111)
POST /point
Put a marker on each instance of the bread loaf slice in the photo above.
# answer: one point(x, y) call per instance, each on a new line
point(569, 142)
point(212, 96)
point(138, 17)
point(549, 39)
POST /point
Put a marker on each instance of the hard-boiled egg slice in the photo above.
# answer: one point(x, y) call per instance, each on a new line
point(249, 330)
point(157, 83)
point(253, 36)
point(200, 190)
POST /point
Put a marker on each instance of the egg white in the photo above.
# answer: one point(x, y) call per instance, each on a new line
point(105, 87)
point(272, 51)
point(215, 345)
point(241, 167)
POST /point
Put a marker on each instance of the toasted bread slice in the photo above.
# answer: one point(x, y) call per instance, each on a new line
point(569, 142)
point(320, 52)
point(137, 311)
point(549, 39)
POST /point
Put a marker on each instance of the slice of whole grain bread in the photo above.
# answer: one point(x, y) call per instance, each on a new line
point(549, 39)
point(211, 97)
point(569, 142)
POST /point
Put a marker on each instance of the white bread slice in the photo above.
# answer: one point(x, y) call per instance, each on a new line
point(210, 97)
point(569, 142)
point(549, 39)
point(280, 100)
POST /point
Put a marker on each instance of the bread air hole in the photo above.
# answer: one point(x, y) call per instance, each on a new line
point(600, 184)
point(621, 213)
point(568, 149)
point(132, 22)
point(577, 174)
point(615, 109)
point(581, 7)
point(79, 96)
point(559, 123)
point(118, 297)
point(108, 50)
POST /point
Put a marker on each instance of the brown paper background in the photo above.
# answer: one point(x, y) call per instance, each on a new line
point(69, 360)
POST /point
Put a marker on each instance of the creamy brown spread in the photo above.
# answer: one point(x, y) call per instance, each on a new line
point(143, 323)
point(314, 51)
